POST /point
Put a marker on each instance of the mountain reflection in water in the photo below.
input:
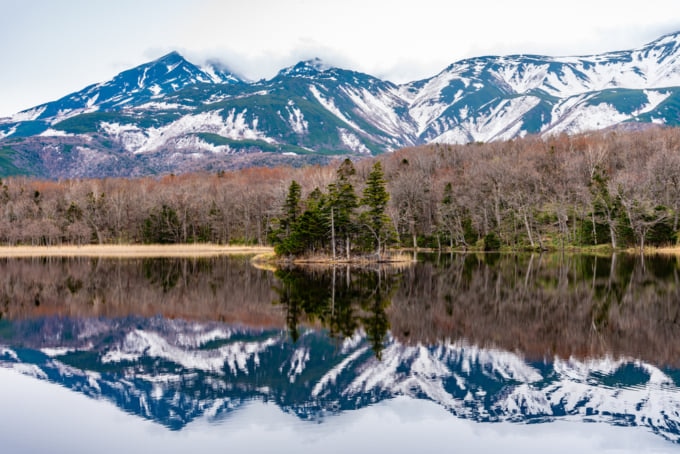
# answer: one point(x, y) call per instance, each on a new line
point(487, 338)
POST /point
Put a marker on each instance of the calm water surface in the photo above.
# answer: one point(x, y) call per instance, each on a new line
point(477, 353)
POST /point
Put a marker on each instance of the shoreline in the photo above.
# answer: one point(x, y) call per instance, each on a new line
point(132, 250)
point(672, 250)
point(261, 254)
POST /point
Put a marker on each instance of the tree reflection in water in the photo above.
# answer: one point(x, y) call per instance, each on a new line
point(342, 299)
point(541, 305)
point(545, 305)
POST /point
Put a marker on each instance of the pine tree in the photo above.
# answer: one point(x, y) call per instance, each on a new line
point(292, 206)
point(342, 204)
point(312, 227)
point(375, 197)
point(306, 232)
point(286, 240)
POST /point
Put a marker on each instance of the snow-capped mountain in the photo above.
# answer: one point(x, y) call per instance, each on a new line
point(129, 88)
point(171, 115)
point(497, 98)
point(172, 372)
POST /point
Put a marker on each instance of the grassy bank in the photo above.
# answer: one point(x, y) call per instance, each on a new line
point(132, 250)
point(669, 250)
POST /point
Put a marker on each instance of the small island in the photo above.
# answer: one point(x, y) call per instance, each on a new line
point(335, 225)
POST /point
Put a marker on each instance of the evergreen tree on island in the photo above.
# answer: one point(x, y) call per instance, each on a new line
point(375, 197)
point(343, 203)
point(326, 223)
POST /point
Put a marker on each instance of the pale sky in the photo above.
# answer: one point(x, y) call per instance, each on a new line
point(50, 48)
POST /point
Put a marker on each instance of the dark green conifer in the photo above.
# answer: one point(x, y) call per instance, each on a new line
point(375, 197)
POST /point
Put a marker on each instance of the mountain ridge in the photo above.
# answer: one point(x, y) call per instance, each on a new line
point(198, 117)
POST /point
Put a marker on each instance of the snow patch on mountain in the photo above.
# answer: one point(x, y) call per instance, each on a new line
point(522, 402)
point(376, 374)
point(235, 356)
point(329, 379)
point(588, 118)
point(132, 137)
point(425, 106)
point(9, 353)
point(29, 115)
point(8, 133)
point(640, 407)
point(427, 364)
point(521, 78)
point(58, 351)
point(506, 365)
point(352, 141)
point(424, 376)
point(91, 101)
point(353, 342)
point(49, 132)
point(236, 125)
point(66, 371)
point(297, 363)
point(502, 122)
point(194, 144)
point(156, 105)
point(379, 109)
point(566, 83)
point(196, 335)
point(608, 74)
point(655, 98)
point(580, 371)
point(65, 114)
point(296, 119)
point(330, 106)
point(30, 370)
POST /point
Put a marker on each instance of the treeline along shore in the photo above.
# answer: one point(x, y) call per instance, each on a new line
point(614, 188)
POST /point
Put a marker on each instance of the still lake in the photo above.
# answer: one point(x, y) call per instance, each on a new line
point(471, 353)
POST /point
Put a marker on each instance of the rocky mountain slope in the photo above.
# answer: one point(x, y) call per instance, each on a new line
point(170, 115)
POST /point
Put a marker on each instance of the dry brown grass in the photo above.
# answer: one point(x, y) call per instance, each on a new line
point(670, 250)
point(132, 250)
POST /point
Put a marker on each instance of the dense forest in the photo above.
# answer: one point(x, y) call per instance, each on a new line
point(614, 188)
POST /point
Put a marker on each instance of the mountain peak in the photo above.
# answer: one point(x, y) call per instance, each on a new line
point(171, 56)
point(212, 71)
point(306, 68)
point(167, 63)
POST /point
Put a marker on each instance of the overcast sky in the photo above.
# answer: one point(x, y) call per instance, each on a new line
point(49, 48)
